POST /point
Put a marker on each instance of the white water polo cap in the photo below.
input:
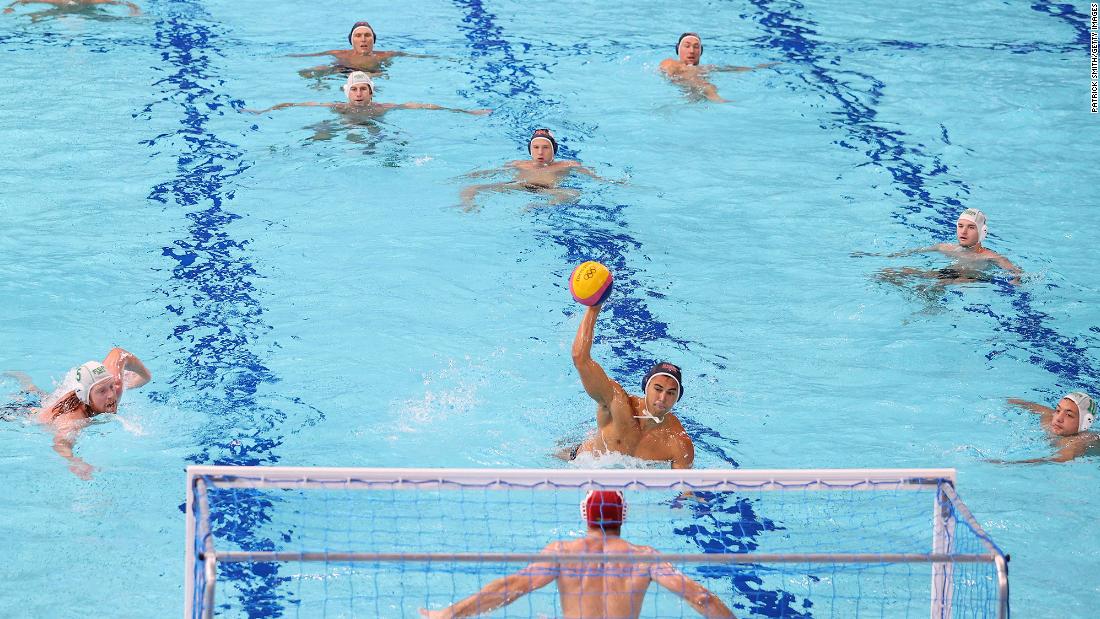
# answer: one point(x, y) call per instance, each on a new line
point(1086, 409)
point(979, 219)
point(87, 376)
point(358, 77)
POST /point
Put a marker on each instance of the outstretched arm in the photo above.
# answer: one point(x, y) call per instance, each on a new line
point(695, 594)
point(25, 382)
point(128, 367)
point(919, 250)
point(1065, 454)
point(736, 69)
point(489, 172)
point(410, 55)
point(325, 53)
point(432, 106)
point(500, 592)
point(283, 106)
point(588, 172)
point(1031, 406)
point(11, 7)
point(134, 9)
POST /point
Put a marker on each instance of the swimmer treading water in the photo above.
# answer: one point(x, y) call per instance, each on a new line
point(541, 174)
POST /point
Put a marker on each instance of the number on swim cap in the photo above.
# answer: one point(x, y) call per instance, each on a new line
point(590, 283)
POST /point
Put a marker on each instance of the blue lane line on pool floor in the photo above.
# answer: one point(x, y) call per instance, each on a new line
point(794, 36)
point(219, 317)
point(591, 232)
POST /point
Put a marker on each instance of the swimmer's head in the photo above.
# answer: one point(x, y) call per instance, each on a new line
point(97, 388)
point(970, 228)
point(689, 48)
point(604, 509)
point(362, 37)
point(542, 146)
point(662, 387)
point(359, 88)
point(1075, 413)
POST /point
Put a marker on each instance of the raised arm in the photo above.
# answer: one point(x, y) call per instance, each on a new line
point(128, 367)
point(1031, 406)
point(500, 592)
point(695, 594)
point(595, 380)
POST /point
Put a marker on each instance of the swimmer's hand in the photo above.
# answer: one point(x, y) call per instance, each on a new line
point(687, 495)
point(480, 112)
point(436, 614)
point(81, 469)
point(9, 10)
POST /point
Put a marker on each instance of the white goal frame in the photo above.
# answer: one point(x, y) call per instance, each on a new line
point(947, 508)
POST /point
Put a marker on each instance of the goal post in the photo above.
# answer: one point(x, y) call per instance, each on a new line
point(336, 542)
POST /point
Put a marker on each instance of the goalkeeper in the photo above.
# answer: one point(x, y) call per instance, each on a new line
point(608, 590)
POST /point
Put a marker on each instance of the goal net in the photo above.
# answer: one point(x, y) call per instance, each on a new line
point(328, 542)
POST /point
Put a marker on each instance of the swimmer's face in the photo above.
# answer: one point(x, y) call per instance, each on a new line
point(967, 233)
point(542, 151)
point(690, 50)
point(105, 396)
point(661, 394)
point(1066, 418)
point(359, 94)
point(362, 40)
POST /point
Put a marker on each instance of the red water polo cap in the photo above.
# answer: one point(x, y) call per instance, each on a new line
point(604, 508)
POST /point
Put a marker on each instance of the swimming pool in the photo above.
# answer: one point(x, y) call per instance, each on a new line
point(324, 302)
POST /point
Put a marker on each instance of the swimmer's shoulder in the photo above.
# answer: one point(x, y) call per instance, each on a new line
point(671, 65)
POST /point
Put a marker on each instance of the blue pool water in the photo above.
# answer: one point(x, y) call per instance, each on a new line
point(324, 302)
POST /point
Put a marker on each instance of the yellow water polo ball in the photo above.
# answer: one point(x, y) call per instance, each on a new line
point(590, 283)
